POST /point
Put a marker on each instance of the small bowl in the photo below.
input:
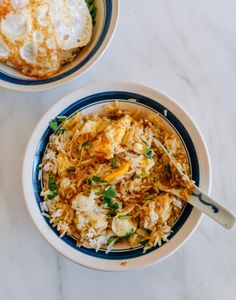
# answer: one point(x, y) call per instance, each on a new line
point(106, 20)
point(131, 96)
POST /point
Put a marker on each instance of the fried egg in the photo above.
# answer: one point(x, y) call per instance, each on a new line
point(72, 22)
point(36, 35)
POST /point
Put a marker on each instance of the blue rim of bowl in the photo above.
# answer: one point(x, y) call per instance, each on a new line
point(108, 16)
point(103, 98)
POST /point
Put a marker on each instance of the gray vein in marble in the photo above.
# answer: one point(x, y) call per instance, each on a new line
point(60, 283)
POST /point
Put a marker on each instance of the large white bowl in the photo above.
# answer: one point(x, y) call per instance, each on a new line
point(106, 20)
point(90, 99)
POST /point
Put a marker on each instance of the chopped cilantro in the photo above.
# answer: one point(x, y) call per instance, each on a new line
point(52, 187)
point(114, 162)
point(87, 144)
point(144, 243)
point(137, 176)
point(167, 168)
point(148, 151)
point(132, 231)
point(112, 239)
point(55, 124)
point(108, 202)
point(108, 195)
point(92, 9)
point(95, 179)
point(61, 130)
point(51, 184)
point(61, 119)
point(52, 195)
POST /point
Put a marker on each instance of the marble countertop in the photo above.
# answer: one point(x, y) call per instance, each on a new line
point(188, 50)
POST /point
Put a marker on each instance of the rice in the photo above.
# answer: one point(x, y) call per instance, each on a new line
point(103, 176)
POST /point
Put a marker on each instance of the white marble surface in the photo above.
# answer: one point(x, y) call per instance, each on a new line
point(186, 48)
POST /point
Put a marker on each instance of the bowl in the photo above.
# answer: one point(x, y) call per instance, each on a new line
point(106, 20)
point(131, 96)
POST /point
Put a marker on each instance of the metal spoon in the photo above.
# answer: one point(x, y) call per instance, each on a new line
point(198, 198)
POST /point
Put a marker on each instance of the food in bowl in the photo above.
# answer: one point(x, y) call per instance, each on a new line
point(39, 37)
point(102, 176)
point(132, 97)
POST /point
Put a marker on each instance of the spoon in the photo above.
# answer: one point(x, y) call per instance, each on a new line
point(198, 198)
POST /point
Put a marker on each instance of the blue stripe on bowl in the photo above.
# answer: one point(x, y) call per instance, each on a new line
point(141, 100)
point(15, 80)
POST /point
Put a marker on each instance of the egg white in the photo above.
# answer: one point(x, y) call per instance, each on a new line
point(72, 22)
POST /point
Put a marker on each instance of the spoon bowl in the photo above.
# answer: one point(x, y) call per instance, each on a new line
point(197, 197)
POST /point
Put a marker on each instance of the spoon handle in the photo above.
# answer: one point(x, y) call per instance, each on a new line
point(211, 208)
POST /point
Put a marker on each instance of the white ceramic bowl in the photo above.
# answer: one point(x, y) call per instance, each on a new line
point(106, 20)
point(90, 99)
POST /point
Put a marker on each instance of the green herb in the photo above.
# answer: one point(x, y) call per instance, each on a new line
point(114, 162)
point(87, 144)
point(52, 187)
point(52, 195)
point(112, 239)
point(168, 169)
point(55, 124)
point(125, 217)
point(108, 195)
point(148, 151)
point(137, 176)
point(61, 119)
point(97, 179)
point(51, 184)
point(148, 197)
point(61, 130)
point(132, 231)
point(144, 243)
point(92, 9)
point(108, 202)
